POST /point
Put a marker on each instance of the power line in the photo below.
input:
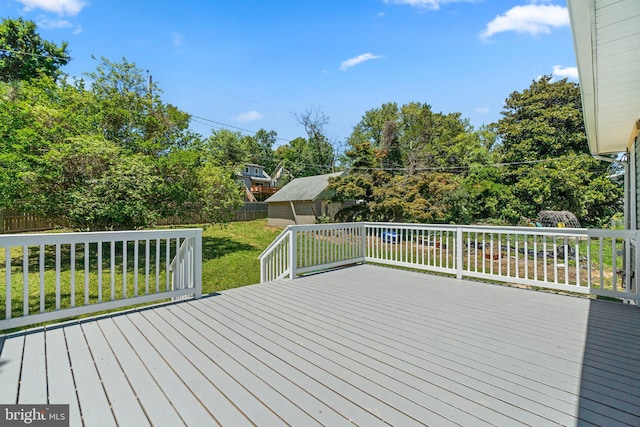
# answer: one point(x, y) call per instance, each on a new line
point(66, 58)
point(224, 125)
point(456, 168)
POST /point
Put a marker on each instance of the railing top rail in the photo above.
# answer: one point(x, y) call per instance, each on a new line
point(333, 226)
point(275, 242)
point(91, 237)
point(482, 228)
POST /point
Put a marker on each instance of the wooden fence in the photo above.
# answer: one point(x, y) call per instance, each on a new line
point(15, 222)
point(248, 212)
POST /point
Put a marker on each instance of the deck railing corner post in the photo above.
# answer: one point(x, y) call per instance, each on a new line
point(459, 252)
point(363, 242)
point(197, 260)
point(292, 253)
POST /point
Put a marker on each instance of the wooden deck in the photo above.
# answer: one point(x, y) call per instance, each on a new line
point(365, 345)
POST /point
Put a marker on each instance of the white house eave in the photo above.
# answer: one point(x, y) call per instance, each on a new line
point(606, 35)
point(581, 16)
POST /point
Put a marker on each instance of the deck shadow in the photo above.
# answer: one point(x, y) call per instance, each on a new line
point(611, 365)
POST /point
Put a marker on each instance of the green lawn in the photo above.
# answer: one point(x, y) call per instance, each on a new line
point(230, 254)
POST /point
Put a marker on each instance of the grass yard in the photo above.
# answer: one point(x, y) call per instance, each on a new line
point(230, 254)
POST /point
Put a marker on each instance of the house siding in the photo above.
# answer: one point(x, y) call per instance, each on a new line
point(307, 212)
point(633, 196)
point(280, 214)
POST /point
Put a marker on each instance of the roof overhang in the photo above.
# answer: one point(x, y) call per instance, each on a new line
point(606, 35)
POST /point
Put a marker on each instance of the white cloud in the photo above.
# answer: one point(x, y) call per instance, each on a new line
point(352, 62)
point(482, 110)
point(531, 19)
point(426, 4)
point(53, 24)
point(61, 7)
point(249, 116)
point(570, 72)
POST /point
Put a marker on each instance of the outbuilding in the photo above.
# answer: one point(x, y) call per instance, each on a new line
point(303, 201)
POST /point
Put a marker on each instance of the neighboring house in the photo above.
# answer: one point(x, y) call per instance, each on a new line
point(280, 176)
point(303, 201)
point(257, 182)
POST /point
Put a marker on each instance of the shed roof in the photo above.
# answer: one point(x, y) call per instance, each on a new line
point(307, 188)
point(606, 35)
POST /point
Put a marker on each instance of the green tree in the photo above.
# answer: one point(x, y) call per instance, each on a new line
point(380, 130)
point(58, 162)
point(265, 156)
point(132, 114)
point(90, 184)
point(36, 115)
point(24, 55)
point(316, 153)
point(230, 149)
point(542, 136)
point(219, 194)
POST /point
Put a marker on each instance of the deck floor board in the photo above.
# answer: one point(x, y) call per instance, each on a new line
point(121, 397)
point(94, 405)
point(246, 368)
point(160, 409)
point(33, 381)
point(399, 361)
point(364, 345)
point(10, 366)
point(60, 383)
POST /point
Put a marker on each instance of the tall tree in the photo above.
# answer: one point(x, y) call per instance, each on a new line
point(230, 149)
point(24, 55)
point(317, 153)
point(379, 129)
point(132, 112)
point(543, 121)
point(265, 155)
point(543, 139)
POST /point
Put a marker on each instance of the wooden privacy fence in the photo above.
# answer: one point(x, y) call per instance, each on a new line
point(15, 222)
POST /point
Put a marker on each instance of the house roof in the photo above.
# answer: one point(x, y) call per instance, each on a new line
point(307, 188)
point(606, 36)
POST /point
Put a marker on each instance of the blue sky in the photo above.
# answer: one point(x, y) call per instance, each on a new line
point(254, 64)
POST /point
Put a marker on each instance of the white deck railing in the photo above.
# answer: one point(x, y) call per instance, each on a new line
point(55, 276)
point(302, 249)
point(588, 261)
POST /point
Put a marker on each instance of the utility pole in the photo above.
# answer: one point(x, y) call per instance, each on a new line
point(149, 84)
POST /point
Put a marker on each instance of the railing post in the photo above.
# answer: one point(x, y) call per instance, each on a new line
point(363, 242)
point(292, 253)
point(633, 281)
point(197, 264)
point(459, 252)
